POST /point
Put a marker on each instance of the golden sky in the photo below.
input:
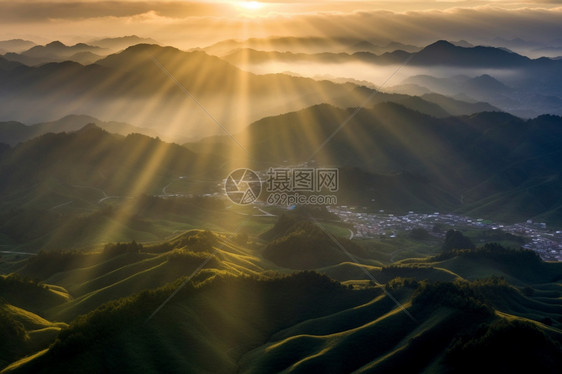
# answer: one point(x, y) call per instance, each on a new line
point(194, 23)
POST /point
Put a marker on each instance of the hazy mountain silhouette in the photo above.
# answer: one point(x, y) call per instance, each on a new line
point(526, 87)
point(526, 98)
point(7, 65)
point(444, 53)
point(57, 52)
point(16, 45)
point(119, 43)
point(483, 86)
point(440, 53)
point(119, 84)
point(16, 132)
point(308, 45)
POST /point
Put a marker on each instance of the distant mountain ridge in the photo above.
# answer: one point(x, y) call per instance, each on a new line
point(118, 43)
point(308, 45)
point(58, 52)
point(28, 53)
point(444, 53)
point(525, 100)
point(16, 45)
point(116, 86)
point(16, 132)
point(440, 53)
point(512, 82)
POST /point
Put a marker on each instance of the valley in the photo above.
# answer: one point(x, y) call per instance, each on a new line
point(533, 236)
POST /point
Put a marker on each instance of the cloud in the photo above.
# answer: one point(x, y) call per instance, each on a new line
point(38, 11)
point(189, 23)
point(478, 24)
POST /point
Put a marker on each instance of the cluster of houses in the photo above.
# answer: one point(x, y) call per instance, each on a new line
point(547, 243)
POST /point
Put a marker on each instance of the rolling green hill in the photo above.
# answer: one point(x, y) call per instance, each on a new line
point(23, 333)
point(298, 244)
point(300, 323)
point(235, 308)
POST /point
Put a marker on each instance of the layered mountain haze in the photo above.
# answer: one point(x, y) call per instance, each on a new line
point(28, 53)
point(58, 52)
point(441, 62)
point(142, 73)
point(15, 132)
point(139, 77)
point(441, 53)
point(15, 45)
point(117, 44)
point(308, 45)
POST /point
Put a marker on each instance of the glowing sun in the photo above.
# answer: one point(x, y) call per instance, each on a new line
point(251, 5)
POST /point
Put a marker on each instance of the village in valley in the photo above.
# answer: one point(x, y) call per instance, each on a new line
point(538, 237)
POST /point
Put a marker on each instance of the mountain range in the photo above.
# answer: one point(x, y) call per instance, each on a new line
point(490, 163)
point(390, 157)
point(441, 53)
point(15, 45)
point(58, 52)
point(486, 88)
point(28, 53)
point(15, 132)
point(120, 161)
point(140, 76)
point(82, 188)
point(308, 45)
point(117, 44)
point(529, 87)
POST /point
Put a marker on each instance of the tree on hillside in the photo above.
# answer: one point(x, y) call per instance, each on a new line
point(456, 240)
point(116, 249)
point(419, 234)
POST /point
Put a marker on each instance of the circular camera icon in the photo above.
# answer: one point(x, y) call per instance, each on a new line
point(243, 186)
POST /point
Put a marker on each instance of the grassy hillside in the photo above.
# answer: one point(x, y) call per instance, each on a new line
point(238, 305)
point(28, 294)
point(297, 243)
point(23, 333)
point(215, 332)
point(300, 323)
